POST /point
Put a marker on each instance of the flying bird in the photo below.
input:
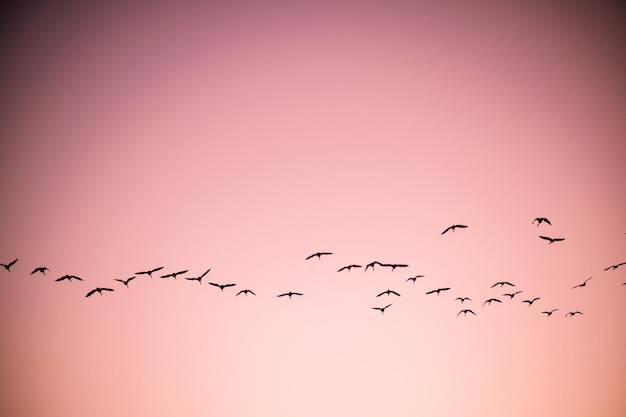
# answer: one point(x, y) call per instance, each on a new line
point(222, 286)
point(415, 278)
point(552, 240)
point(454, 226)
point(465, 312)
point(349, 267)
point(394, 266)
point(573, 313)
point(372, 264)
point(199, 279)
point(318, 254)
point(530, 302)
point(382, 309)
point(549, 313)
point(438, 290)
point(174, 274)
point(290, 293)
point(502, 284)
point(511, 294)
point(99, 290)
point(540, 220)
point(614, 267)
point(490, 300)
point(583, 284)
point(69, 278)
point(150, 272)
point(9, 265)
point(388, 292)
point(245, 292)
point(125, 281)
point(463, 299)
point(41, 269)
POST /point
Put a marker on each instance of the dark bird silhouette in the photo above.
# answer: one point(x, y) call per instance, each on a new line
point(415, 278)
point(318, 254)
point(222, 286)
point(512, 294)
point(9, 265)
point(199, 279)
point(502, 284)
point(573, 313)
point(174, 274)
point(382, 309)
point(549, 313)
point(125, 281)
point(463, 299)
point(289, 294)
point(490, 300)
point(614, 267)
point(349, 267)
point(388, 292)
point(150, 272)
point(530, 302)
point(583, 284)
point(438, 290)
point(394, 266)
point(69, 278)
point(246, 292)
point(540, 220)
point(465, 312)
point(454, 226)
point(99, 290)
point(552, 240)
point(372, 264)
point(41, 269)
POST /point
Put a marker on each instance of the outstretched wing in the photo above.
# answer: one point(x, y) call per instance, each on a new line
point(448, 228)
point(91, 292)
point(546, 238)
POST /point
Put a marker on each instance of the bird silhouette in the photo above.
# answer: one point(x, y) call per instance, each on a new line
point(372, 264)
point(174, 274)
point(349, 267)
point(415, 278)
point(98, 290)
point(125, 281)
point(573, 313)
point(463, 299)
point(465, 312)
point(614, 267)
point(502, 284)
point(530, 302)
point(69, 278)
point(438, 290)
point(382, 309)
point(394, 266)
point(388, 292)
point(41, 269)
point(512, 294)
point(318, 254)
point(289, 294)
point(488, 302)
point(552, 240)
point(246, 292)
point(549, 313)
point(540, 220)
point(222, 286)
point(9, 265)
point(454, 226)
point(149, 272)
point(583, 284)
point(199, 279)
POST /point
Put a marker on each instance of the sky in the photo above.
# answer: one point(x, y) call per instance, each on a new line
point(242, 137)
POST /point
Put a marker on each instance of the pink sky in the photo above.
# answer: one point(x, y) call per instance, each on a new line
point(243, 137)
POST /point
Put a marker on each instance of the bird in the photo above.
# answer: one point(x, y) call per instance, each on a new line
point(41, 269)
point(463, 299)
point(438, 290)
point(388, 292)
point(150, 272)
point(382, 309)
point(394, 266)
point(502, 284)
point(540, 220)
point(614, 267)
point(290, 293)
point(490, 300)
point(465, 312)
point(530, 302)
point(318, 254)
point(549, 313)
point(372, 264)
point(573, 313)
point(222, 286)
point(349, 267)
point(245, 292)
point(69, 278)
point(174, 274)
point(583, 284)
point(9, 265)
point(512, 294)
point(414, 278)
point(199, 279)
point(454, 226)
point(126, 281)
point(552, 240)
point(99, 290)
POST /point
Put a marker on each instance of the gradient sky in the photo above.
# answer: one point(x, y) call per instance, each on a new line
point(243, 137)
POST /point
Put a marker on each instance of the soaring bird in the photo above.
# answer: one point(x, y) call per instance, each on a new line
point(199, 279)
point(318, 254)
point(549, 313)
point(614, 267)
point(454, 226)
point(41, 269)
point(552, 240)
point(9, 265)
point(394, 266)
point(502, 284)
point(382, 309)
point(583, 284)
point(174, 274)
point(372, 264)
point(438, 290)
point(245, 292)
point(540, 220)
point(125, 281)
point(414, 278)
point(490, 300)
point(99, 290)
point(149, 273)
point(290, 293)
point(222, 286)
point(349, 267)
point(530, 302)
point(388, 292)
point(465, 312)
point(573, 313)
point(512, 294)
point(463, 299)
point(69, 278)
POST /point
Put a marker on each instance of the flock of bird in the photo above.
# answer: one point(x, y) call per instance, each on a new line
point(372, 265)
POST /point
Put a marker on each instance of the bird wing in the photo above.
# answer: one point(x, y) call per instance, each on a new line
point(470, 311)
point(296, 293)
point(384, 292)
point(558, 239)
point(206, 272)
point(388, 305)
point(310, 256)
point(462, 226)
point(431, 291)
point(251, 292)
point(62, 278)
point(393, 292)
point(546, 238)
point(214, 284)
point(497, 283)
point(107, 289)
point(444, 289)
point(281, 295)
point(228, 285)
point(448, 228)
point(547, 221)
point(341, 269)
point(78, 278)
point(11, 263)
point(91, 292)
